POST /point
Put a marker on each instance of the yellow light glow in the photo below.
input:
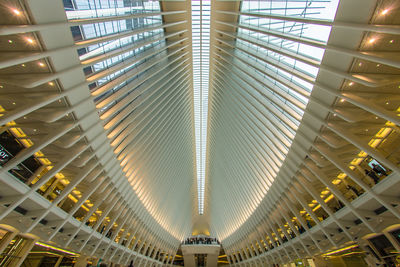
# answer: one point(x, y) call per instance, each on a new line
point(317, 207)
point(29, 40)
point(84, 207)
point(336, 181)
point(384, 132)
point(45, 161)
point(384, 12)
point(341, 175)
point(357, 161)
point(27, 142)
point(372, 40)
point(39, 154)
point(59, 175)
point(374, 142)
point(18, 132)
point(41, 64)
point(74, 199)
point(362, 154)
point(340, 250)
point(56, 248)
point(325, 192)
point(328, 198)
point(16, 11)
point(64, 181)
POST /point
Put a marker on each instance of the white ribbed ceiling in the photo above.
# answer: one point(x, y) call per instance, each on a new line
point(198, 117)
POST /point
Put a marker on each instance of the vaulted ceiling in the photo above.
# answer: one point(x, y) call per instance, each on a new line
point(285, 93)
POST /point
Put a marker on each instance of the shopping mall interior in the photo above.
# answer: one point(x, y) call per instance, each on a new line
point(200, 133)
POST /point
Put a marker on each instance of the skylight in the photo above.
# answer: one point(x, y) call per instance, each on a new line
point(201, 51)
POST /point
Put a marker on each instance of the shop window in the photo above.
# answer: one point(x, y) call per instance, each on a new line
point(396, 235)
point(385, 249)
point(9, 147)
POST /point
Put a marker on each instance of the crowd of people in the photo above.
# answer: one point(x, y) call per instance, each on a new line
point(200, 240)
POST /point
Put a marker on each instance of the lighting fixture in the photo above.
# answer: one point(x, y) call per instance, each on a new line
point(56, 248)
point(29, 40)
point(384, 12)
point(340, 250)
point(41, 64)
point(16, 11)
point(201, 12)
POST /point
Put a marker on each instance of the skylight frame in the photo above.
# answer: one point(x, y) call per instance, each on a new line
point(201, 14)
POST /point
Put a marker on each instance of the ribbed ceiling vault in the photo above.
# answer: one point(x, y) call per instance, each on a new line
point(98, 97)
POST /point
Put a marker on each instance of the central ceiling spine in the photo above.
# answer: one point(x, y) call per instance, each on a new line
point(201, 52)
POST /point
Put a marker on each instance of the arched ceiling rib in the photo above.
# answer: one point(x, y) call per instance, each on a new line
point(142, 91)
point(107, 113)
point(264, 70)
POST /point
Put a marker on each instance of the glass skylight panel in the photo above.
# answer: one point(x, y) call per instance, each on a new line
point(200, 49)
point(280, 69)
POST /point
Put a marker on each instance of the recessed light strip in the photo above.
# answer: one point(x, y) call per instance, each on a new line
point(201, 12)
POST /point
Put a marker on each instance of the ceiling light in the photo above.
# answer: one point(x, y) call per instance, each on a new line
point(351, 83)
point(360, 64)
point(342, 100)
point(384, 12)
point(16, 11)
point(29, 40)
point(51, 83)
point(378, 65)
point(391, 41)
point(41, 64)
point(372, 40)
point(10, 41)
point(23, 65)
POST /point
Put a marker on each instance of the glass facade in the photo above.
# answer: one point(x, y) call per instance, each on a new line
point(273, 38)
point(115, 65)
